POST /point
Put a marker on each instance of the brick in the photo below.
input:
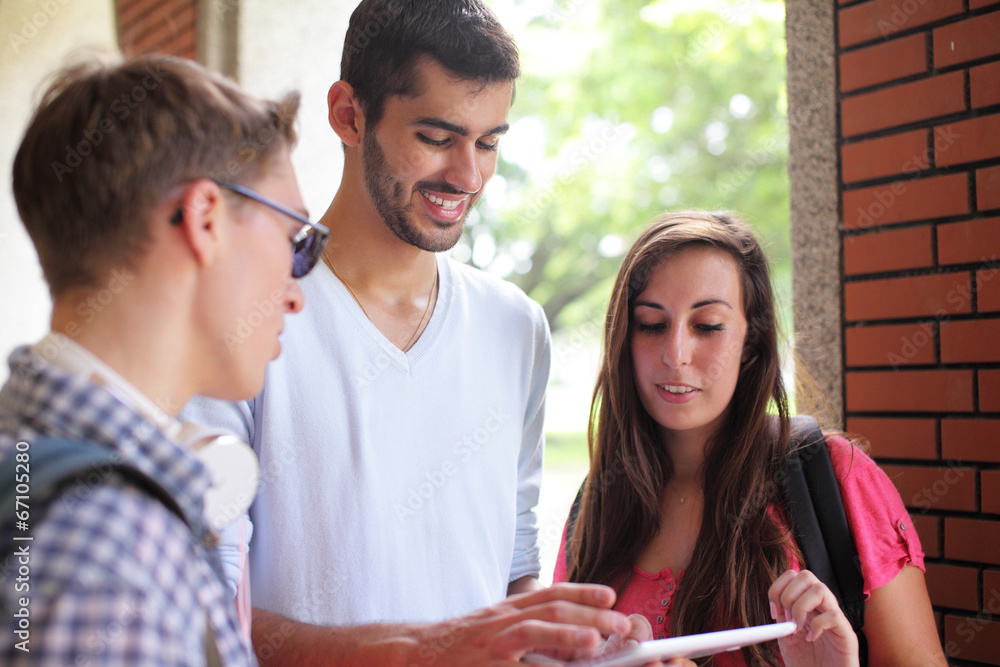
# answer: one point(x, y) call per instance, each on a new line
point(892, 438)
point(907, 200)
point(953, 586)
point(989, 390)
point(984, 84)
point(988, 188)
point(883, 62)
point(979, 4)
point(913, 296)
point(991, 586)
point(990, 482)
point(988, 290)
point(891, 345)
point(934, 488)
point(906, 103)
point(969, 140)
point(970, 341)
point(879, 19)
point(971, 440)
point(929, 530)
point(910, 391)
point(967, 242)
point(972, 639)
point(972, 540)
point(967, 40)
point(890, 250)
point(885, 156)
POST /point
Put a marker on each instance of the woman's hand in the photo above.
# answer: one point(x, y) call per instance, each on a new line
point(824, 637)
point(641, 631)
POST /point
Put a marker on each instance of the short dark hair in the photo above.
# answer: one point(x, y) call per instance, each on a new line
point(386, 38)
point(109, 140)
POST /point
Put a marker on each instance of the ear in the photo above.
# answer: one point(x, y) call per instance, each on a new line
point(345, 114)
point(199, 220)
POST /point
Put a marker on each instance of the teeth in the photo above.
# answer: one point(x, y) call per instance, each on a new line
point(676, 390)
point(443, 203)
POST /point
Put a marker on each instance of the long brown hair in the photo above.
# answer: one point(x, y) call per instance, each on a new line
point(740, 548)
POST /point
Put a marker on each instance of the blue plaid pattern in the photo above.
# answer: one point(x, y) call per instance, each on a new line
point(116, 578)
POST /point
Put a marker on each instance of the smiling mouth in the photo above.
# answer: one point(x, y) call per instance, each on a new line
point(676, 389)
point(446, 204)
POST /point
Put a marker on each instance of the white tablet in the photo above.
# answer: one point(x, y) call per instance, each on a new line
point(689, 646)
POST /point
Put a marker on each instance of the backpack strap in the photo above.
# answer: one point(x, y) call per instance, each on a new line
point(822, 532)
point(53, 463)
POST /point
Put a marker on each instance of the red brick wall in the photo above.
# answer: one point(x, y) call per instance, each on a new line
point(162, 26)
point(920, 192)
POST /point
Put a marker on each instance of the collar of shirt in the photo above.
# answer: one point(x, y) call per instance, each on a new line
point(54, 402)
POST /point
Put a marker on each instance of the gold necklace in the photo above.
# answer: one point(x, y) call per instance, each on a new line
point(427, 309)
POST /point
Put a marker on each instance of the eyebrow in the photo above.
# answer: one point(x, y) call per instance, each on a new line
point(700, 304)
point(442, 124)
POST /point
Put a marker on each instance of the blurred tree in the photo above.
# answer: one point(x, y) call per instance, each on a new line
point(628, 108)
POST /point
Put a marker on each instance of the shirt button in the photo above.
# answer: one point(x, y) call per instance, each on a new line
point(902, 526)
point(670, 587)
point(659, 619)
point(659, 636)
point(665, 601)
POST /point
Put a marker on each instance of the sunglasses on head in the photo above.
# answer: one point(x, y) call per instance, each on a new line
point(307, 244)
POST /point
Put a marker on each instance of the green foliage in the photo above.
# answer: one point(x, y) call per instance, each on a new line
point(642, 107)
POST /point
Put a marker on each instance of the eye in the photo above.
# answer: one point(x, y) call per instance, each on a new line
point(655, 327)
point(710, 328)
point(489, 146)
point(431, 142)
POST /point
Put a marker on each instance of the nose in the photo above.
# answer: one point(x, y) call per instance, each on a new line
point(464, 171)
point(295, 300)
point(677, 347)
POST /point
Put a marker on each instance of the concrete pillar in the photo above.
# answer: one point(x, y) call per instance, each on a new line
point(815, 217)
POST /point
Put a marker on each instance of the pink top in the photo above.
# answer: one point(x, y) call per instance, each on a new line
point(883, 533)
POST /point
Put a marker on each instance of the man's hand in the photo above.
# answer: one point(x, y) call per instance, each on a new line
point(566, 619)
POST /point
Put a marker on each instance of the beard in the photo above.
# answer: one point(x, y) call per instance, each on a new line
point(395, 207)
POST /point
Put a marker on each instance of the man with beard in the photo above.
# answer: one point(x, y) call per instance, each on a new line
point(400, 435)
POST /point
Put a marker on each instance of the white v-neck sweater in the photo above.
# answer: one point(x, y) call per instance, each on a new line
point(396, 487)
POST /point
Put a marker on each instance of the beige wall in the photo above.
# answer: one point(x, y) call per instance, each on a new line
point(286, 46)
point(36, 36)
point(279, 48)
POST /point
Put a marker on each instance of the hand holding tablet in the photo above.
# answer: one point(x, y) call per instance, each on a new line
point(689, 646)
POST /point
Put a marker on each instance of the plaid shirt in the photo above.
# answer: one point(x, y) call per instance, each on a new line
point(116, 578)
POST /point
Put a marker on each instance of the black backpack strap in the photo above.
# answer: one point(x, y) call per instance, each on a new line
point(822, 532)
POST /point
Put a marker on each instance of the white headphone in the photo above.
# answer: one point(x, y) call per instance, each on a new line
point(231, 463)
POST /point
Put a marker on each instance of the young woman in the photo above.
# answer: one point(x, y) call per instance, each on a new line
point(689, 430)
